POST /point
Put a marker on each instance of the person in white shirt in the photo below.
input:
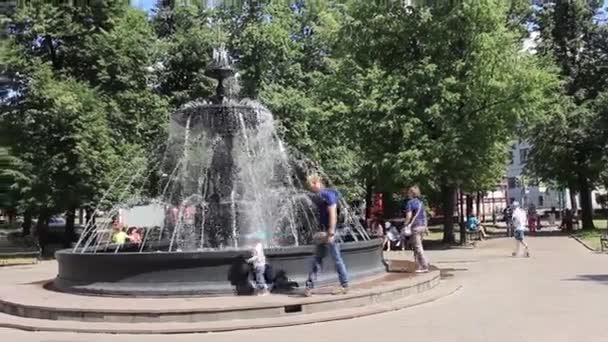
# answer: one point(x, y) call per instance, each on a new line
point(392, 235)
point(520, 220)
point(258, 261)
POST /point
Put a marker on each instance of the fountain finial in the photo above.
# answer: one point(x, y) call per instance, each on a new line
point(220, 69)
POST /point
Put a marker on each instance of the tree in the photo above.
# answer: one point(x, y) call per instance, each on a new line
point(59, 131)
point(571, 37)
point(186, 43)
point(83, 104)
point(461, 89)
point(264, 47)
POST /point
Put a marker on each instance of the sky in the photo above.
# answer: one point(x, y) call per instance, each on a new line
point(147, 5)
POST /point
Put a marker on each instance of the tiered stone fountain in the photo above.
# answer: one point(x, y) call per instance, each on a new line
point(225, 176)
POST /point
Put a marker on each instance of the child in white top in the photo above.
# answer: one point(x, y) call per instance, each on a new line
point(258, 261)
point(519, 221)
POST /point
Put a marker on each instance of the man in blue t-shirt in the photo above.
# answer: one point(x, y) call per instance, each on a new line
point(415, 207)
point(326, 241)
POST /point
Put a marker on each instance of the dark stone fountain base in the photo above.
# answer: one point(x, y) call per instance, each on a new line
point(158, 274)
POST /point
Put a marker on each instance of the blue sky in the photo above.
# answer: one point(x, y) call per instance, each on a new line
point(148, 4)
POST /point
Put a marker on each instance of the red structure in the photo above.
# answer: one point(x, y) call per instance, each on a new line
point(377, 204)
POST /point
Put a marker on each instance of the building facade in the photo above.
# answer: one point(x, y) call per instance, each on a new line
point(532, 192)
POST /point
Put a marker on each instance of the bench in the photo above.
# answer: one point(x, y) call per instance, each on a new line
point(604, 242)
point(473, 235)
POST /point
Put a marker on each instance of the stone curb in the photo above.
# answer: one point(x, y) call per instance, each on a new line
point(13, 322)
point(584, 244)
point(165, 313)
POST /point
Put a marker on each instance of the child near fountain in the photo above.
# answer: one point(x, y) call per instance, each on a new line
point(258, 261)
point(119, 236)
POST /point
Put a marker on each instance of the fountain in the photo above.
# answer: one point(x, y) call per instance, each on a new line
point(224, 176)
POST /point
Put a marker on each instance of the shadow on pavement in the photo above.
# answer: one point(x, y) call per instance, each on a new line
point(449, 272)
point(600, 278)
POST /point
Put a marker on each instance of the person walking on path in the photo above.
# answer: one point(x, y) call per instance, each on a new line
point(532, 218)
point(508, 215)
point(519, 221)
point(415, 225)
point(326, 240)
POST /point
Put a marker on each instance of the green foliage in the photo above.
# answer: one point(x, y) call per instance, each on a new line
point(186, 43)
point(263, 45)
point(84, 107)
point(59, 131)
point(570, 144)
point(376, 94)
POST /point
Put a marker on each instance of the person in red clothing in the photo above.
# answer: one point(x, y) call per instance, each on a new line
point(532, 219)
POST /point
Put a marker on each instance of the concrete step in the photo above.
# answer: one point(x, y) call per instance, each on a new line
point(31, 324)
point(33, 300)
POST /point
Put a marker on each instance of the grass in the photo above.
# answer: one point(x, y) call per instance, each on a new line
point(10, 226)
point(436, 233)
point(592, 237)
point(600, 223)
point(17, 261)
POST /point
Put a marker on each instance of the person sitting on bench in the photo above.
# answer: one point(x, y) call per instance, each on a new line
point(473, 225)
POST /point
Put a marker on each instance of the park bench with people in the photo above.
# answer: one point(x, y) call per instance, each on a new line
point(474, 235)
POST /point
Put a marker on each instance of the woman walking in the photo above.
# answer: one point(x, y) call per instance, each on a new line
point(415, 224)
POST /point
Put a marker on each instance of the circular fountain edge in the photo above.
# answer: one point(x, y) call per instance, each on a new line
point(200, 273)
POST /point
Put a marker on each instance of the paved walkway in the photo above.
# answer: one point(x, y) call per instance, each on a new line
point(559, 294)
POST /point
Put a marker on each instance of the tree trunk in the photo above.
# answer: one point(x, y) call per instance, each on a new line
point(90, 228)
point(478, 207)
point(42, 227)
point(469, 206)
point(68, 235)
point(463, 233)
point(27, 222)
point(448, 196)
point(88, 216)
point(81, 216)
point(388, 208)
point(586, 203)
point(369, 188)
point(12, 216)
point(572, 194)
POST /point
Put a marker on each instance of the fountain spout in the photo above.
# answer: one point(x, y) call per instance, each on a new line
point(220, 69)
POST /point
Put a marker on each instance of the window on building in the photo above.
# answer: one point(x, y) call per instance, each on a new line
point(541, 201)
point(512, 182)
point(510, 157)
point(523, 155)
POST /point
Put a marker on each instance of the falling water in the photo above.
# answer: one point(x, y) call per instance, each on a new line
point(225, 174)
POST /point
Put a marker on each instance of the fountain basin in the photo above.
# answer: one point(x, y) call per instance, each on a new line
point(200, 273)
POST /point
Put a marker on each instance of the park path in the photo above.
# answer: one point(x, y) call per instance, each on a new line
point(559, 294)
